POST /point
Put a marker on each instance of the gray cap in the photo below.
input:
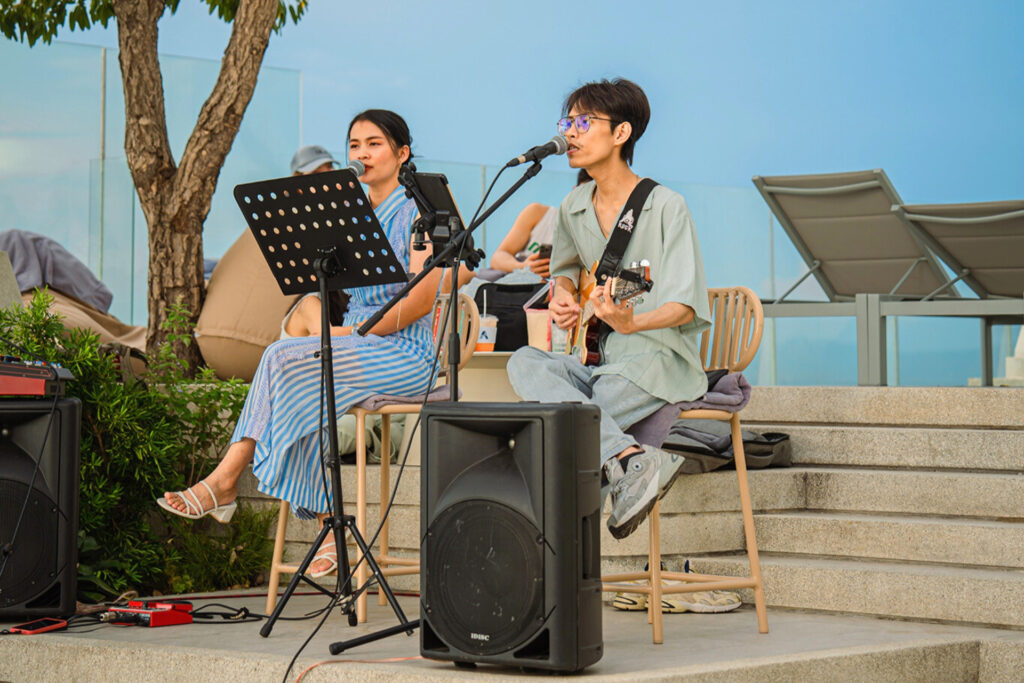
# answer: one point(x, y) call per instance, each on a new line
point(310, 158)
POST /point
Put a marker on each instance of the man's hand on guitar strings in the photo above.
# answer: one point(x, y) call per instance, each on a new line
point(618, 316)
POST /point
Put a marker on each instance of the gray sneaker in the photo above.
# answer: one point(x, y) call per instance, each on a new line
point(612, 470)
point(635, 493)
point(671, 466)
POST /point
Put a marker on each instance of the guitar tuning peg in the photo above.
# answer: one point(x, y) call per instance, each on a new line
point(634, 264)
point(644, 263)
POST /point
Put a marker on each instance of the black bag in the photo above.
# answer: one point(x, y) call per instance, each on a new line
point(506, 302)
point(707, 445)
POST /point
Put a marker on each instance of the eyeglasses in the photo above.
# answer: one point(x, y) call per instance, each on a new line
point(582, 122)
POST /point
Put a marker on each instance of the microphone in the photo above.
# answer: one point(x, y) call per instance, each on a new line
point(356, 167)
point(556, 145)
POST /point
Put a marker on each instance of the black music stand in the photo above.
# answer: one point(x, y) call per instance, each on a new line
point(319, 233)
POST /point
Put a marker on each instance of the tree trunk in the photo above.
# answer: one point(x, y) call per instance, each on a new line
point(176, 198)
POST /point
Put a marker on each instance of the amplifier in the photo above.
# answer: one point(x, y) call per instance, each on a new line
point(32, 378)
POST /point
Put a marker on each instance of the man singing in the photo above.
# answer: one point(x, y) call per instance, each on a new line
point(649, 354)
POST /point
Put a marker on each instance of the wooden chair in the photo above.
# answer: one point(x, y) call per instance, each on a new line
point(731, 343)
point(469, 327)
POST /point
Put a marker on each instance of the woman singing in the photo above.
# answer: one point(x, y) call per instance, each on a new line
point(278, 430)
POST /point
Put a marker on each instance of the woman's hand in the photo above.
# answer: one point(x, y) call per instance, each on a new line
point(538, 265)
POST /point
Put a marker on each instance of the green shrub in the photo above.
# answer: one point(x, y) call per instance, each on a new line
point(139, 439)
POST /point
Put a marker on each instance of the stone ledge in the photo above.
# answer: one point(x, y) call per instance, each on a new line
point(910, 591)
point(891, 537)
point(905, 447)
point(921, 406)
point(917, 492)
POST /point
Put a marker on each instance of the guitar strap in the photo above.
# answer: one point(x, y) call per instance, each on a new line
point(610, 264)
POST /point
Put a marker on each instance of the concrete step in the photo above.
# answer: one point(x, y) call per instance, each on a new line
point(983, 407)
point(916, 492)
point(699, 648)
point(699, 515)
point(993, 597)
point(771, 489)
point(904, 447)
point(959, 541)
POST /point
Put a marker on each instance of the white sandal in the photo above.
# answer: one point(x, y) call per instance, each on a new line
point(194, 508)
point(325, 553)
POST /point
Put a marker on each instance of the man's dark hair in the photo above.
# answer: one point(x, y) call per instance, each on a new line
point(621, 100)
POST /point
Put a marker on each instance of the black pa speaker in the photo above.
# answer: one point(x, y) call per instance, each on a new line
point(510, 556)
point(39, 578)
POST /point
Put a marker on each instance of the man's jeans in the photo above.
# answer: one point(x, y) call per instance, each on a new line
point(557, 377)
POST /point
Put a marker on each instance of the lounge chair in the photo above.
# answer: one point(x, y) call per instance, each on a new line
point(983, 244)
point(843, 227)
point(874, 261)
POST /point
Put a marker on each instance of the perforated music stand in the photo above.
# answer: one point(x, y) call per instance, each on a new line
point(298, 218)
point(319, 233)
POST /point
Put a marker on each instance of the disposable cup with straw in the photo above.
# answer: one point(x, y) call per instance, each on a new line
point(488, 329)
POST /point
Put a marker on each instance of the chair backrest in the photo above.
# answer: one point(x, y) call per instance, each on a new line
point(737, 324)
point(469, 329)
point(843, 227)
point(981, 242)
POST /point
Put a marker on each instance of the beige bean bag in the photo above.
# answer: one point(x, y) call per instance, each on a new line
point(77, 314)
point(242, 313)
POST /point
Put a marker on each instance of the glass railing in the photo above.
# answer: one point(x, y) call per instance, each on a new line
point(62, 167)
point(63, 174)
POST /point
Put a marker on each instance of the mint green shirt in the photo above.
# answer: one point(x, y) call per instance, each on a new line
point(666, 362)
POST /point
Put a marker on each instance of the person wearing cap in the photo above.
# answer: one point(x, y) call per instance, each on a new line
point(312, 159)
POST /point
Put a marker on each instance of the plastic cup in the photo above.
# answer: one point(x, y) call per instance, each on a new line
point(538, 328)
point(488, 333)
point(559, 338)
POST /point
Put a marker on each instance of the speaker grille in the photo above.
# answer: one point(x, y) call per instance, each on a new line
point(31, 567)
point(484, 577)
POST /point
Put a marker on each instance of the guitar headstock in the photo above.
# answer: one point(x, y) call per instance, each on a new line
point(632, 282)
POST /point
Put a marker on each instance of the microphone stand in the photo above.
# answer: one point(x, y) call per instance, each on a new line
point(451, 254)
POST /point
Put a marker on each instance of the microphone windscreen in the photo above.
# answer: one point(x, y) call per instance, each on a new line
point(561, 144)
point(357, 167)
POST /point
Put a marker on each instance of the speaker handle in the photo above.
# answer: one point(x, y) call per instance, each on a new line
point(588, 555)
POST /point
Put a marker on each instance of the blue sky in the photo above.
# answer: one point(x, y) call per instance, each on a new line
point(931, 91)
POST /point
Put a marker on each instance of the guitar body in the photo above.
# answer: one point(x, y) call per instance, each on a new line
point(585, 336)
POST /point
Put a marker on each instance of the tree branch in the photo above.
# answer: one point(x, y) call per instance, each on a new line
point(222, 112)
point(147, 148)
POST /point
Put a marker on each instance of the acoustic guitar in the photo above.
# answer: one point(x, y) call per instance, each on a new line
point(585, 336)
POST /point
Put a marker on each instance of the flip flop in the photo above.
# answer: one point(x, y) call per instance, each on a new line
point(194, 508)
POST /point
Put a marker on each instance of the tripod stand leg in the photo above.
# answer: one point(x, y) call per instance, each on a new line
point(330, 525)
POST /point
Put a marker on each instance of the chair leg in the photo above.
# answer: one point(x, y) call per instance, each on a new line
point(654, 615)
point(748, 524)
point(385, 489)
point(278, 557)
point(361, 573)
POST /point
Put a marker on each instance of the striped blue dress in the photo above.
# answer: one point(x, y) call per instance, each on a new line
point(282, 409)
